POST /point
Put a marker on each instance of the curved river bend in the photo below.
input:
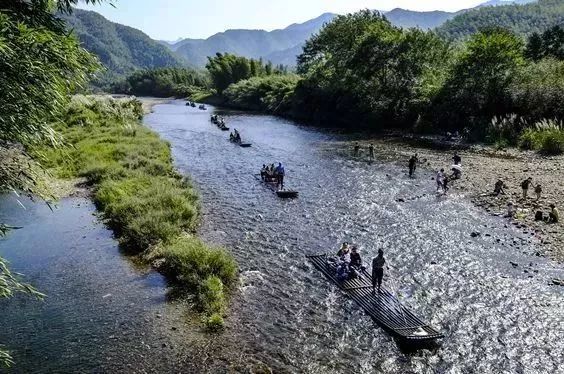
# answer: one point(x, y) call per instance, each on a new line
point(104, 314)
point(496, 317)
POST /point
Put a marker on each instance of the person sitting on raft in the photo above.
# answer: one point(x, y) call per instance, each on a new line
point(356, 260)
point(344, 249)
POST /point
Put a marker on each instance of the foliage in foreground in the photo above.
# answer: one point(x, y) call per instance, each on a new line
point(150, 207)
point(40, 65)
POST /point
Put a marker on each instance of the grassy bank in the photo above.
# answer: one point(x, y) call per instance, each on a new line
point(152, 209)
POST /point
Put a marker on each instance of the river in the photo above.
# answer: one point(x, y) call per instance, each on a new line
point(490, 295)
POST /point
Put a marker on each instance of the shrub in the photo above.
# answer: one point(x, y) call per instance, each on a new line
point(214, 322)
point(547, 137)
point(211, 296)
point(194, 262)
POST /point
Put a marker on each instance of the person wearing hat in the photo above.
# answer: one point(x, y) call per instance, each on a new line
point(553, 215)
point(378, 263)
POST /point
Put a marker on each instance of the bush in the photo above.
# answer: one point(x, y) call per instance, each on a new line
point(214, 322)
point(147, 210)
point(272, 94)
point(211, 296)
point(547, 137)
point(194, 262)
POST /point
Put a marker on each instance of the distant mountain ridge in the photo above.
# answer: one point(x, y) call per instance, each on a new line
point(522, 19)
point(121, 49)
point(282, 46)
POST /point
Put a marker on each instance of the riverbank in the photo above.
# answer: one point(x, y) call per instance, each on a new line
point(153, 210)
point(482, 167)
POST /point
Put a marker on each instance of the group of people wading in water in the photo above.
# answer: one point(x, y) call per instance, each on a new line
point(270, 174)
point(350, 266)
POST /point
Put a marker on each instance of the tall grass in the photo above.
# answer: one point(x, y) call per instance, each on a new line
point(547, 136)
point(152, 209)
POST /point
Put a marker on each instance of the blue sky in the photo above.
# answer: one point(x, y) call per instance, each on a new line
point(173, 19)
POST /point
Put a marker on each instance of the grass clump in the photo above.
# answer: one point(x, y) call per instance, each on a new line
point(152, 209)
point(547, 137)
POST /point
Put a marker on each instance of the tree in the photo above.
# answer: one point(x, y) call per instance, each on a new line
point(548, 44)
point(534, 49)
point(479, 82)
point(40, 66)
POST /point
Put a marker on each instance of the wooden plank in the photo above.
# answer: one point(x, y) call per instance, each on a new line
point(383, 306)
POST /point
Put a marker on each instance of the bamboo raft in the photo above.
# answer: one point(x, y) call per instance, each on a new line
point(272, 185)
point(383, 307)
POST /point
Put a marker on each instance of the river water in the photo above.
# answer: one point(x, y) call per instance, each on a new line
point(490, 295)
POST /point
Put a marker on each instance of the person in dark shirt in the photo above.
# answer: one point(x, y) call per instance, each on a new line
point(356, 260)
point(498, 188)
point(371, 151)
point(525, 186)
point(456, 159)
point(412, 165)
point(378, 263)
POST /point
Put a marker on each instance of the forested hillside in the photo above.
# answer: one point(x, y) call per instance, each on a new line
point(121, 49)
point(521, 19)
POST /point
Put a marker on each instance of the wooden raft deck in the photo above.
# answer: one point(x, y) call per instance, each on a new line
point(383, 307)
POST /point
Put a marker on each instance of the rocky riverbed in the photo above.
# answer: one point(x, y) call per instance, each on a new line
point(482, 167)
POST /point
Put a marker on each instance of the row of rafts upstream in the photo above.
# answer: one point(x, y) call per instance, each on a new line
point(271, 176)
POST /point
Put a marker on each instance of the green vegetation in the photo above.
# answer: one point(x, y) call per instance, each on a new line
point(520, 19)
point(271, 94)
point(40, 65)
point(360, 71)
point(166, 82)
point(150, 207)
point(121, 49)
point(546, 137)
point(226, 69)
point(548, 44)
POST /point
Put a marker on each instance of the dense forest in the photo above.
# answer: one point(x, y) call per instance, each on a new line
point(360, 71)
point(165, 82)
point(121, 49)
point(521, 19)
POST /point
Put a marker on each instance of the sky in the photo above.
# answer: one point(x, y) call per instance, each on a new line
point(174, 19)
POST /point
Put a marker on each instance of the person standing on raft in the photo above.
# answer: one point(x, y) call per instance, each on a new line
point(279, 172)
point(378, 263)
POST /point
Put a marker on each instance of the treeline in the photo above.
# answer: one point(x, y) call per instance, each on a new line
point(165, 82)
point(360, 71)
point(226, 69)
point(520, 19)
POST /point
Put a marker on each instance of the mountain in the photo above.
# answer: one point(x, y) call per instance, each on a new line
point(521, 19)
point(121, 49)
point(505, 2)
point(423, 20)
point(251, 43)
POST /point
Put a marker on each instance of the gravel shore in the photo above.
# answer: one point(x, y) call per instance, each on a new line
point(482, 167)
